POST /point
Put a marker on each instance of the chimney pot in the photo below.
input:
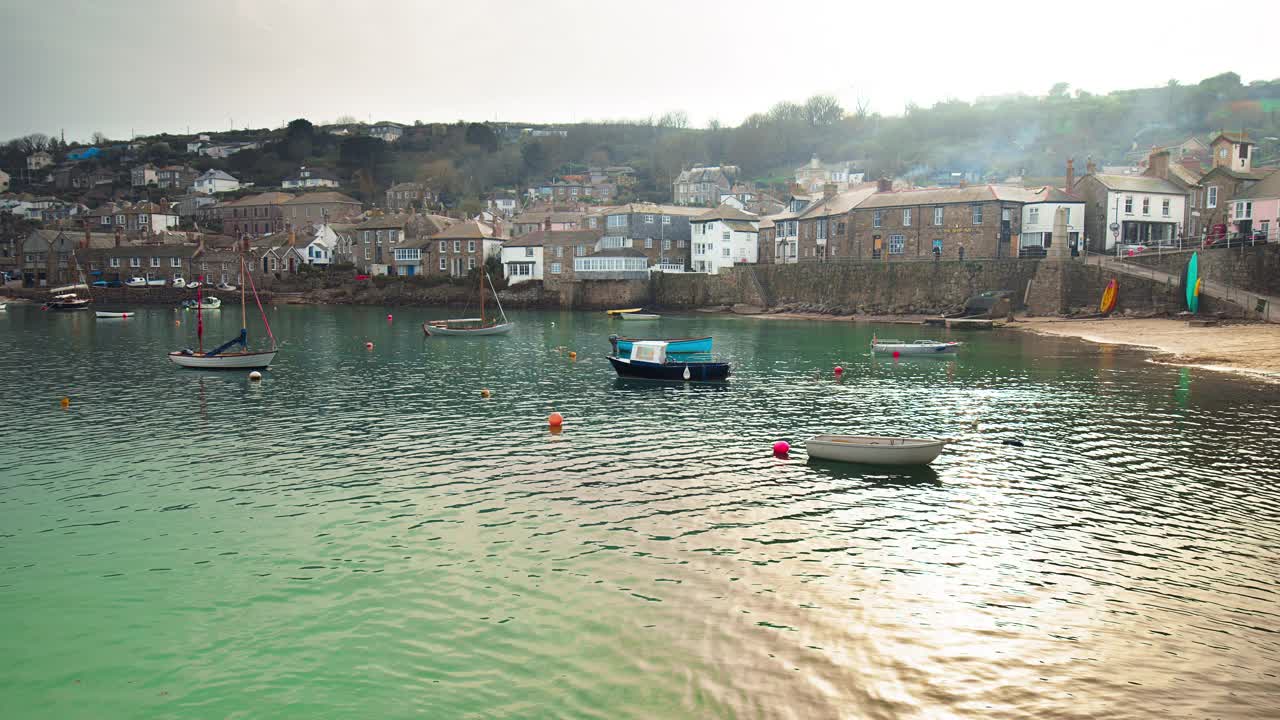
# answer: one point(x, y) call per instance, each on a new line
point(828, 190)
point(884, 185)
point(1071, 174)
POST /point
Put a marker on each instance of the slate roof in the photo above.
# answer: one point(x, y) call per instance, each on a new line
point(1233, 137)
point(724, 212)
point(1138, 183)
point(539, 238)
point(838, 204)
point(970, 194)
point(1269, 187)
point(320, 197)
point(470, 230)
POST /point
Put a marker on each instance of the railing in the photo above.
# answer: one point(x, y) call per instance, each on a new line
point(668, 267)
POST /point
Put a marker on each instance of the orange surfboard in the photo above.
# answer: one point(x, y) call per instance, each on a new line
point(1109, 296)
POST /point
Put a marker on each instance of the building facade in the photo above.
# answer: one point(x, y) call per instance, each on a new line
point(723, 237)
point(1130, 211)
point(703, 185)
point(942, 223)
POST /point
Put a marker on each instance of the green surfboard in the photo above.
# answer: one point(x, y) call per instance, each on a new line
point(1192, 283)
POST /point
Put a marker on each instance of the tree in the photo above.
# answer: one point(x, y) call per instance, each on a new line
point(822, 110)
point(674, 120)
point(299, 138)
point(533, 159)
point(1059, 90)
point(361, 151)
point(35, 142)
point(99, 138)
point(482, 135)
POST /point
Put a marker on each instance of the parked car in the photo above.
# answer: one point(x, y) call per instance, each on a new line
point(107, 283)
point(179, 282)
point(135, 282)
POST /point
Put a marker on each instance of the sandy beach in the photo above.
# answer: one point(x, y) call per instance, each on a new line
point(1252, 349)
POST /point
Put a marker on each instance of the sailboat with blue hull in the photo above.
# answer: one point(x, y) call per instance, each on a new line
point(223, 357)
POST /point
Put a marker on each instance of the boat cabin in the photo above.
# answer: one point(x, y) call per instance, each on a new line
point(650, 351)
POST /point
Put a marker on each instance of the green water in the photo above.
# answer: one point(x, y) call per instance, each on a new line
point(362, 535)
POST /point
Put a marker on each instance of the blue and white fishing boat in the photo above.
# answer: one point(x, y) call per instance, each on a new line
point(649, 361)
point(675, 346)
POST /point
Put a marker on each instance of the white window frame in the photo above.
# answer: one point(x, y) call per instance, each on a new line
point(615, 221)
point(444, 264)
point(471, 263)
point(975, 212)
point(555, 268)
point(1033, 216)
point(155, 261)
point(1164, 208)
point(444, 246)
point(1146, 206)
point(666, 219)
point(528, 252)
point(1128, 204)
point(471, 246)
point(457, 246)
point(901, 241)
point(906, 217)
point(1212, 199)
point(937, 217)
point(135, 262)
point(115, 262)
point(648, 219)
point(877, 219)
point(175, 262)
point(648, 243)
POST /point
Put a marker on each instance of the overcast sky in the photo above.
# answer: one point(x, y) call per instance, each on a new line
point(146, 66)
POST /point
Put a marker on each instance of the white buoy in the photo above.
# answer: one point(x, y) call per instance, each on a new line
point(255, 375)
point(686, 373)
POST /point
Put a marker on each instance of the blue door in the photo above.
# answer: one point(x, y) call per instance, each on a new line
point(408, 270)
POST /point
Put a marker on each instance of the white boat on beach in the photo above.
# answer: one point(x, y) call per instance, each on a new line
point(875, 450)
point(639, 316)
point(915, 347)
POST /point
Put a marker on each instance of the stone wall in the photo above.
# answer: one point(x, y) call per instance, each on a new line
point(604, 294)
point(1256, 268)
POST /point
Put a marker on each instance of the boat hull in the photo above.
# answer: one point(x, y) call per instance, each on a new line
point(674, 345)
point(639, 316)
point(109, 315)
point(225, 361)
point(68, 307)
point(873, 450)
point(499, 329)
point(671, 371)
point(916, 349)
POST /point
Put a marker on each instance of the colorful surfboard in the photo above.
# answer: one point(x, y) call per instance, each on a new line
point(1109, 296)
point(1192, 283)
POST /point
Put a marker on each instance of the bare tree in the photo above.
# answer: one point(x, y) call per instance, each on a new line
point(99, 138)
point(675, 119)
point(821, 110)
point(34, 142)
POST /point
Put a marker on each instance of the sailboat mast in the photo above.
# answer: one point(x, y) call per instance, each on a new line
point(244, 323)
point(481, 274)
point(200, 313)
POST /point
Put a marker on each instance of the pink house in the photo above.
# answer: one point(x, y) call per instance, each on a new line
point(1258, 209)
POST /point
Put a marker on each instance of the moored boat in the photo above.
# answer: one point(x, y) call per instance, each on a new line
point(915, 347)
point(464, 327)
point(223, 357)
point(649, 361)
point(640, 316)
point(623, 311)
point(108, 315)
point(875, 450)
point(67, 301)
point(675, 346)
point(208, 303)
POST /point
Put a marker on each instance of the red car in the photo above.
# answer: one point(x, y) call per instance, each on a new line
point(362, 277)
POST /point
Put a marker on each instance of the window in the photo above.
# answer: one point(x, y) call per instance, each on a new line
point(648, 243)
point(906, 217)
point(840, 228)
point(724, 235)
point(1033, 216)
point(368, 255)
point(443, 263)
point(106, 219)
point(937, 248)
point(897, 244)
point(528, 252)
point(555, 267)
point(680, 243)
point(1212, 202)
point(580, 250)
point(648, 219)
point(1244, 210)
point(666, 219)
point(1146, 206)
point(1128, 204)
point(591, 222)
point(1164, 207)
point(155, 262)
point(471, 263)
point(457, 246)
point(119, 219)
point(377, 234)
point(822, 229)
point(877, 219)
point(175, 262)
point(617, 221)
point(471, 246)
point(444, 246)
point(559, 251)
point(274, 264)
point(115, 262)
point(666, 244)
point(977, 220)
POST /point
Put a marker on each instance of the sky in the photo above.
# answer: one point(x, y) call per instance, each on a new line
point(137, 67)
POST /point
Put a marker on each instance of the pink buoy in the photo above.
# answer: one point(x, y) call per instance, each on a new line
point(388, 317)
point(896, 354)
point(839, 371)
point(781, 448)
point(368, 346)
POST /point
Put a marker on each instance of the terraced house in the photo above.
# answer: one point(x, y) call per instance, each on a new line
point(459, 249)
point(661, 233)
point(944, 223)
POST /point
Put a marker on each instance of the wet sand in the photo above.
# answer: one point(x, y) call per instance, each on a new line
point(1252, 349)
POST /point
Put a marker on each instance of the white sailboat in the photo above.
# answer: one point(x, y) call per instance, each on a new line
point(222, 357)
point(472, 326)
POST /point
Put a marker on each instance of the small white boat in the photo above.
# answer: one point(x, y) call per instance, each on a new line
point(223, 361)
point(225, 287)
point(639, 316)
point(209, 303)
point(874, 450)
point(155, 282)
point(106, 315)
point(3, 306)
point(916, 347)
point(464, 326)
point(135, 282)
point(179, 282)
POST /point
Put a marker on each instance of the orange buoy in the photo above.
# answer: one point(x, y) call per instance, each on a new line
point(484, 392)
point(573, 355)
point(555, 419)
point(65, 402)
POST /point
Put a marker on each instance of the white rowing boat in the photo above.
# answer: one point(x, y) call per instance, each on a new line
point(875, 450)
point(223, 361)
point(916, 347)
point(639, 316)
point(106, 315)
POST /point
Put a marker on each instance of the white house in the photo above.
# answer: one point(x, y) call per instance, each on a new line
point(215, 181)
point(505, 204)
point(320, 248)
point(1038, 217)
point(39, 159)
point(388, 131)
point(1130, 211)
point(522, 258)
point(310, 178)
point(723, 237)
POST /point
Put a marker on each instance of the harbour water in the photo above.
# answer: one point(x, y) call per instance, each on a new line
point(362, 535)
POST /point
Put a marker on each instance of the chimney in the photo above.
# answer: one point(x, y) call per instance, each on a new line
point(293, 239)
point(884, 185)
point(1071, 174)
point(1090, 166)
point(546, 224)
point(828, 191)
point(1158, 164)
point(118, 231)
point(86, 236)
